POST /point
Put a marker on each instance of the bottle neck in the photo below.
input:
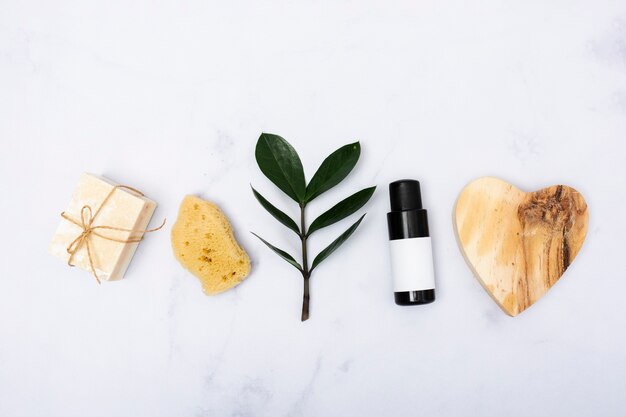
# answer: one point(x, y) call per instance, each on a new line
point(407, 224)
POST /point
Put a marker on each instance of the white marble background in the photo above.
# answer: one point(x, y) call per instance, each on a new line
point(170, 97)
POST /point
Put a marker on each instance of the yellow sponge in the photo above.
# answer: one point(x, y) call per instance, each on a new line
point(203, 243)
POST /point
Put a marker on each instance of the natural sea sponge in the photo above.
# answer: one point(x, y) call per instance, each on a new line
point(203, 242)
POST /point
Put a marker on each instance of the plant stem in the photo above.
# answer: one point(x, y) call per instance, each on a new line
point(305, 301)
point(305, 265)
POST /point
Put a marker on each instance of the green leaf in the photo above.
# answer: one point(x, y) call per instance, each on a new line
point(333, 170)
point(342, 209)
point(277, 213)
point(281, 164)
point(336, 243)
point(281, 253)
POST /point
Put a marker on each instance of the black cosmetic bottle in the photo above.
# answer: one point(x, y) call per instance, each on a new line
point(410, 246)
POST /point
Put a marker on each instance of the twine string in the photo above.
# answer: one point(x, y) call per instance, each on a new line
point(87, 217)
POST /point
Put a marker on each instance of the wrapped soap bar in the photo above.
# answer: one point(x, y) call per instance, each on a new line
point(100, 230)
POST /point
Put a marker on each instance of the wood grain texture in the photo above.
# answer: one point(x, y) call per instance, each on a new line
point(519, 244)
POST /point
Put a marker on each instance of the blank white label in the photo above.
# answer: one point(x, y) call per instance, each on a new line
point(412, 264)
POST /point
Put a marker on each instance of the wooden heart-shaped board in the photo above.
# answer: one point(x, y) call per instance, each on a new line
point(519, 244)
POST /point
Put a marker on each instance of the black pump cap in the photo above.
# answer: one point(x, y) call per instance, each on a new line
point(405, 195)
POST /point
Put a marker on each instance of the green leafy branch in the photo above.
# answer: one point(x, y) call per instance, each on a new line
point(280, 163)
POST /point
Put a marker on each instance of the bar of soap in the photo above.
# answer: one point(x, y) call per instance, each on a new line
point(124, 209)
point(203, 242)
